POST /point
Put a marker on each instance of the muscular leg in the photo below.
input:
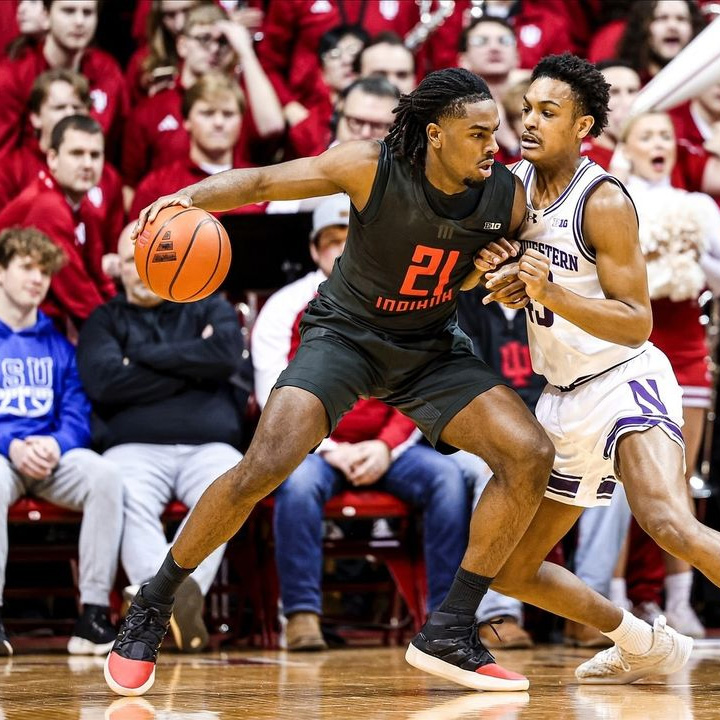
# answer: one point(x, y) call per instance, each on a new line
point(293, 422)
point(651, 467)
point(498, 427)
point(527, 576)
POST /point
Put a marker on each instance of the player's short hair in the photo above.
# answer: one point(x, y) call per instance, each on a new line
point(208, 87)
point(41, 87)
point(590, 91)
point(203, 15)
point(24, 242)
point(440, 94)
point(463, 43)
point(84, 123)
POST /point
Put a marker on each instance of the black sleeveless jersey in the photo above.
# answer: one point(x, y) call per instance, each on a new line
point(403, 264)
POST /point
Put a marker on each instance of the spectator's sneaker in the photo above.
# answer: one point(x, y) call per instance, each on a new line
point(614, 666)
point(130, 666)
point(5, 646)
point(93, 634)
point(648, 611)
point(449, 646)
point(186, 622)
point(685, 621)
point(584, 636)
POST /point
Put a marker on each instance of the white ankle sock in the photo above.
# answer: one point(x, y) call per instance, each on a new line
point(618, 593)
point(633, 634)
point(677, 589)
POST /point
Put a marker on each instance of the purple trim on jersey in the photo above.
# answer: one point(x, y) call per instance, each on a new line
point(606, 488)
point(576, 179)
point(563, 485)
point(640, 422)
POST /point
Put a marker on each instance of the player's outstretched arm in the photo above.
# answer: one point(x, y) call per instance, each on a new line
point(624, 315)
point(349, 167)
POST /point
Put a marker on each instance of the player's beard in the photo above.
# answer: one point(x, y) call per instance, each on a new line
point(474, 183)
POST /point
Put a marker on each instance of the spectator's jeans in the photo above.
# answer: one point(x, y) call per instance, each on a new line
point(421, 476)
point(82, 481)
point(153, 475)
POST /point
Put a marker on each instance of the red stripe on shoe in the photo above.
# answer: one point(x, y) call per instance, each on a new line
point(497, 671)
point(129, 673)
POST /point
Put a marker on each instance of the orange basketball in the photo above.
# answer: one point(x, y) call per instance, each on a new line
point(184, 255)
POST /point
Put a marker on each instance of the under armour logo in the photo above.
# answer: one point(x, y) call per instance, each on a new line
point(531, 217)
point(445, 232)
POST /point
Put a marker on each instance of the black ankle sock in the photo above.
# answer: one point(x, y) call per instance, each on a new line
point(465, 594)
point(170, 576)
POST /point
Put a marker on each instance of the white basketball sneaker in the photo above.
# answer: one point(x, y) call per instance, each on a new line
point(614, 666)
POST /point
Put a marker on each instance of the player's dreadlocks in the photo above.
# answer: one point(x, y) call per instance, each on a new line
point(441, 94)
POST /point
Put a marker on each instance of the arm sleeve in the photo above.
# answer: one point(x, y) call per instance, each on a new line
point(73, 430)
point(13, 106)
point(214, 358)
point(109, 376)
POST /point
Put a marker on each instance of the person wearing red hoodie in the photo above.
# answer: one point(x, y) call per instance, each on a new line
point(56, 94)
point(56, 203)
point(213, 110)
point(72, 25)
point(374, 445)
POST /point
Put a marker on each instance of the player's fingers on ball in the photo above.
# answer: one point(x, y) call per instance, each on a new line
point(497, 248)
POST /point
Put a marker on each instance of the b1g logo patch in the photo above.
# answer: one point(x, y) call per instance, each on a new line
point(492, 226)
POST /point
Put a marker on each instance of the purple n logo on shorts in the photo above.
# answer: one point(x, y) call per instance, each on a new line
point(648, 400)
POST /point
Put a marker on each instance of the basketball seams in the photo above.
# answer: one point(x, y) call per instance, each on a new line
point(181, 264)
point(154, 240)
point(218, 257)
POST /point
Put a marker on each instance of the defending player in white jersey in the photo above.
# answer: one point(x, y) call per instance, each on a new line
point(612, 406)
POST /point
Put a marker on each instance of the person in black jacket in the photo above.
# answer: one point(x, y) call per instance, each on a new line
point(160, 377)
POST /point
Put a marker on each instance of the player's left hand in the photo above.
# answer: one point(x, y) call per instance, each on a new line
point(495, 253)
point(374, 461)
point(534, 271)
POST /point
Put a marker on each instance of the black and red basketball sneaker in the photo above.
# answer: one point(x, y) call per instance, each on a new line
point(130, 665)
point(449, 646)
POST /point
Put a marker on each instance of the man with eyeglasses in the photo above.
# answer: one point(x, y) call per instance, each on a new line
point(155, 134)
point(72, 26)
point(488, 48)
point(387, 55)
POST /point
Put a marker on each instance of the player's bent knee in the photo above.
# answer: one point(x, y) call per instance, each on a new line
point(670, 528)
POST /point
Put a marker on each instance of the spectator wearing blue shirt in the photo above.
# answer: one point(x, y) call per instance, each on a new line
point(45, 430)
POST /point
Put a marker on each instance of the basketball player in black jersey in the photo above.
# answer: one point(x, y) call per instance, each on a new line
point(384, 325)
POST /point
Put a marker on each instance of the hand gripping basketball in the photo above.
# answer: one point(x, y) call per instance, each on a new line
point(182, 253)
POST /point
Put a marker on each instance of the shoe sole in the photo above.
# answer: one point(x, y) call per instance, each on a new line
point(82, 646)
point(186, 621)
point(434, 666)
point(5, 648)
point(675, 661)
point(121, 689)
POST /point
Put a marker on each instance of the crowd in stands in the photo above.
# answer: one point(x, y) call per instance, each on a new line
point(114, 401)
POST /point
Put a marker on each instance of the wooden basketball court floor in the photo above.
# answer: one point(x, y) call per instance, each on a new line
point(373, 683)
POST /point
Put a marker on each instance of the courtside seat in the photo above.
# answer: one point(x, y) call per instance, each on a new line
point(401, 554)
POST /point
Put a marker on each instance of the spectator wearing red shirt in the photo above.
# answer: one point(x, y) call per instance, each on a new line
point(30, 18)
point(72, 26)
point(656, 32)
point(488, 48)
point(309, 117)
point(293, 28)
point(696, 170)
point(541, 28)
point(57, 204)
point(213, 111)
point(156, 63)
point(56, 94)
point(155, 134)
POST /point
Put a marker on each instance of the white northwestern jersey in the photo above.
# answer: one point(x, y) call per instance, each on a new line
point(560, 350)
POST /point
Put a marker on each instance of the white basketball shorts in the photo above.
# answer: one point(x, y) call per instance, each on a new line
point(586, 423)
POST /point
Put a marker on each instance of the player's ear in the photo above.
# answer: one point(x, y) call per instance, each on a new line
point(434, 134)
point(585, 123)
